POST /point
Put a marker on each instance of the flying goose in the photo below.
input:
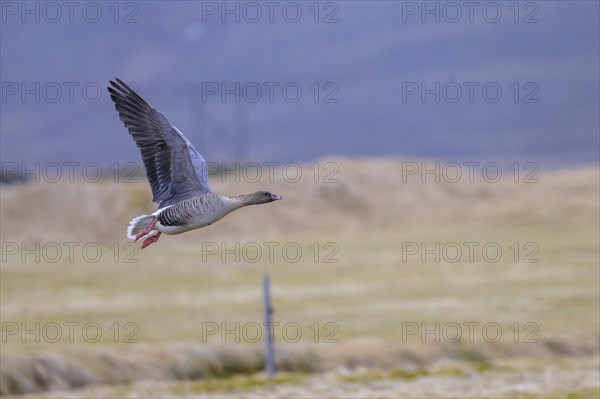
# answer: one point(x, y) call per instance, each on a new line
point(177, 173)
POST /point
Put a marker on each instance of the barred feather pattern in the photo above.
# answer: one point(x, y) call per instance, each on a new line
point(196, 211)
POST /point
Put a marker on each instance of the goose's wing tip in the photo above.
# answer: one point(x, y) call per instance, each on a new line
point(119, 85)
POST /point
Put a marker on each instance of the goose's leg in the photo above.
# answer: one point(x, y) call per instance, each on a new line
point(151, 240)
point(146, 230)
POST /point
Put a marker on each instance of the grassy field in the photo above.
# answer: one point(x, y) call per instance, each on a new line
point(373, 275)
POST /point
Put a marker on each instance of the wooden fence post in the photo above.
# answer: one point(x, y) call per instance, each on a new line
point(269, 339)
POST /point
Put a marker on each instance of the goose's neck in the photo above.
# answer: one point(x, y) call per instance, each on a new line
point(235, 202)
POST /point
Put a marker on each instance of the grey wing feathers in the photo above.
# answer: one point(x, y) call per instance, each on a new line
point(175, 170)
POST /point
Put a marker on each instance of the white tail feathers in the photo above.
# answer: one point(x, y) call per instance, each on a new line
point(138, 224)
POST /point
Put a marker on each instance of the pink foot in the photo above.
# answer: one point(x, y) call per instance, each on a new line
point(151, 240)
point(146, 230)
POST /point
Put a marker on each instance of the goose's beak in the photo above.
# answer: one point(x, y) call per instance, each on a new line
point(276, 197)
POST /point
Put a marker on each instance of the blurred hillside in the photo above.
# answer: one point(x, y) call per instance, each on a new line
point(371, 49)
point(361, 194)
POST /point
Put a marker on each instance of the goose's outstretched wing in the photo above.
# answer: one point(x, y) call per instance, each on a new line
point(175, 170)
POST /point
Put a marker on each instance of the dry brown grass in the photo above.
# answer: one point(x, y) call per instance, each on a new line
point(76, 369)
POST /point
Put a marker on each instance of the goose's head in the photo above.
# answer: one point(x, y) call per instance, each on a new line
point(259, 197)
point(262, 197)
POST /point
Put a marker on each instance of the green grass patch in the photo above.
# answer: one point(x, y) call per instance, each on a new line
point(234, 383)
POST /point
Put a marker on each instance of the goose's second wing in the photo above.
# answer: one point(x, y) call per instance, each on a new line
point(175, 170)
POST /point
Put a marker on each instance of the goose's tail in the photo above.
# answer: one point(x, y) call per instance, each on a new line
point(138, 224)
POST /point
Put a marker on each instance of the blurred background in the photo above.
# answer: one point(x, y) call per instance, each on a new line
point(367, 50)
point(439, 233)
